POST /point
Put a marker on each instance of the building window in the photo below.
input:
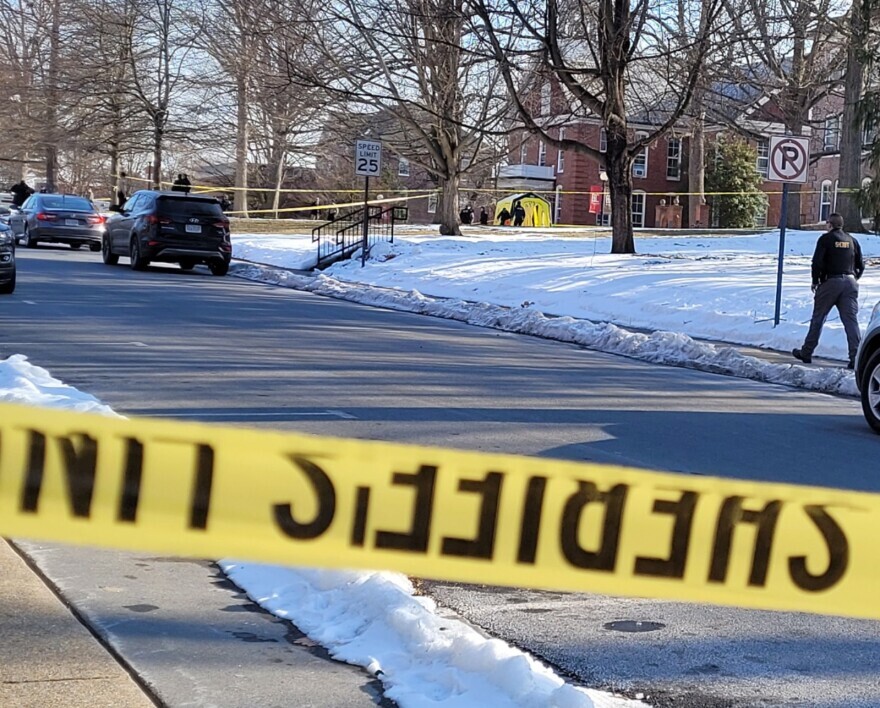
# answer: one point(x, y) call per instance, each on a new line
point(832, 133)
point(557, 211)
point(866, 184)
point(603, 140)
point(673, 158)
point(523, 150)
point(868, 136)
point(763, 162)
point(545, 99)
point(834, 196)
point(403, 167)
point(542, 153)
point(560, 157)
point(825, 198)
point(640, 163)
point(432, 203)
point(638, 209)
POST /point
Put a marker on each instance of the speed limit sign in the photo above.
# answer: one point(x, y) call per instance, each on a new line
point(367, 158)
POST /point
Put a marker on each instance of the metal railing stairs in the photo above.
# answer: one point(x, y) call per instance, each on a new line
point(341, 237)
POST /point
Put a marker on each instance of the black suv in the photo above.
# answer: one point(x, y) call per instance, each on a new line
point(170, 227)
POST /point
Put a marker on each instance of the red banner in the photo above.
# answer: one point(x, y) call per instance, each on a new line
point(596, 194)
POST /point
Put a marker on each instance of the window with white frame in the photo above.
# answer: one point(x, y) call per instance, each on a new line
point(825, 197)
point(638, 209)
point(673, 158)
point(603, 140)
point(523, 151)
point(403, 167)
point(432, 203)
point(866, 183)
point(560, 156)
point(557, 211)
point(640, 163)
point(834, 196)
point(869, 134)
point(545, 99)
point(762, 164)
point(542, 153)
point(832, 133)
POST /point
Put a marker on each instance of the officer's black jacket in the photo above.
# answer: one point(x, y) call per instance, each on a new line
point(837, 253)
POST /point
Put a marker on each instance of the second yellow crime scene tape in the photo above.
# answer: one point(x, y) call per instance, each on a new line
point(208, 491)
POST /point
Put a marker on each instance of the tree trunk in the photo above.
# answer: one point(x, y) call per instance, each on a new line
point(279, 179)
point(114, 175)
point(240, 200)
point(447, 208)
point(850, 176)
point(52, 100)
point(157, 157)
point(618, 167)
point(697, 169)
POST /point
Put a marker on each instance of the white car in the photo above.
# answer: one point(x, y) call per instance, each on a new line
point(868, 370)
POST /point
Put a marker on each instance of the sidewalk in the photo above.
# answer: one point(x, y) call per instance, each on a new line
point(48, 659)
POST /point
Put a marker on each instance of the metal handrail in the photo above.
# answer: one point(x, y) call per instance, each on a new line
point(341, 237)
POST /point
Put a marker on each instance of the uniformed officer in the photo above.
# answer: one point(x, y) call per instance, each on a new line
point(837, 266)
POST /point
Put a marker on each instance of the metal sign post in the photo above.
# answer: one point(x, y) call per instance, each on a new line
point(789, 159)
point(367, 163)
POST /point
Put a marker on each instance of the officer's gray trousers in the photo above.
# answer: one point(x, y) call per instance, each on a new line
point(842, 293)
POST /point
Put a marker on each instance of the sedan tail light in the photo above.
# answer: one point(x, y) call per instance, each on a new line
point(43, 216)
point(96, 219)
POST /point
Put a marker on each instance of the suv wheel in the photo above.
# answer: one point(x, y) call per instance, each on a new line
point(137, 261)
point(871, 392)
point(107, 255)
point(219, 267)
point(27, 240)
point(187, 265)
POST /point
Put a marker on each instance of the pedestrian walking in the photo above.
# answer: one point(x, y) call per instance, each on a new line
point(484, 216)
point(504, 217)
point(519, 214)
point(467, 215)
point(837, 267)
point(20, 192)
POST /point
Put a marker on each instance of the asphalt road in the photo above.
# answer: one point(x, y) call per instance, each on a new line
point(195, 346)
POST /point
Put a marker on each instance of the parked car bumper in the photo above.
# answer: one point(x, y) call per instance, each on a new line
point(67, 234)
point(868, 345)
point(173, 254)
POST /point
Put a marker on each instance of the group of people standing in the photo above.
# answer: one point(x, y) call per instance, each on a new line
point(466, 215)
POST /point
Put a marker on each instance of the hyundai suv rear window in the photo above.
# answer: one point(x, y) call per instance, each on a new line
point(175, 206)
point(76, 203)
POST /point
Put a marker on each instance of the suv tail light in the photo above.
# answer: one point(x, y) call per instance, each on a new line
point(222, 224)
point(153, 219)
point(43, 216)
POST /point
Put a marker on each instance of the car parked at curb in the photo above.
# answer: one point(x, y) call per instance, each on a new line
point(169, 227)
point(58, 218)
point(7, 260)
point(867, 370)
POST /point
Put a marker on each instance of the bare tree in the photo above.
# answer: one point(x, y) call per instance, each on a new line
point(790, 51)
point(603, 55)
point(408, 69)
point(860, 59)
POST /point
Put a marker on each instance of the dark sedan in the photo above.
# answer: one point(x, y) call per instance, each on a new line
point(58, 218)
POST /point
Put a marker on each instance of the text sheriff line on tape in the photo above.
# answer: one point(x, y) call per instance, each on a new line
point(211, 491)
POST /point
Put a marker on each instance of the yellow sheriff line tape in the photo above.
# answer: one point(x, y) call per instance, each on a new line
point(209, 491)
